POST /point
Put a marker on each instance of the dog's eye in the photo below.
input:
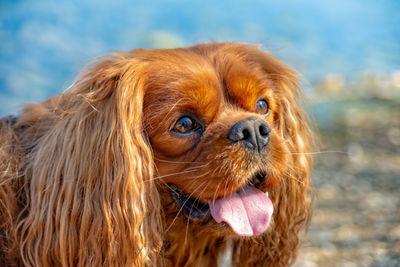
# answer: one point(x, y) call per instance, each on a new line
point(262, 107)
point(185, 125)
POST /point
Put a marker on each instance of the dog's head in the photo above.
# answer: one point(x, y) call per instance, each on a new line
point(210, 137)
point(225, 127)
point(216, 118)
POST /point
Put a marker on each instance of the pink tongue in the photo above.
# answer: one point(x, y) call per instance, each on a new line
point(248, 211)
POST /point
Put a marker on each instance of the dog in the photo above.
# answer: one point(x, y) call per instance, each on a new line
point(164, 157)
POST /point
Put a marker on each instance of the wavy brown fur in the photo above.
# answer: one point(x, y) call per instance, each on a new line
point(76, 175)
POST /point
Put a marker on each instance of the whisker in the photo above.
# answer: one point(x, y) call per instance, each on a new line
point(215, 192)
point(179, 162)
point(186, 232)
point(204, 189)
point(227, 184)
point(170, 110)
point(319, 152)
point(170, 174)
point(290, 176)
point(179, 211)
point(198, 176)
point(170, 187)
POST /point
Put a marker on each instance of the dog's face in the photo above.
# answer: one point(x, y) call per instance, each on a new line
point(213, 124)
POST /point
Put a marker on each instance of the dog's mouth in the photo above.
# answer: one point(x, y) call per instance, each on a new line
point(247, 211)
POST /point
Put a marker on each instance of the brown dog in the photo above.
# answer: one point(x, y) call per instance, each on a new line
point(160, 157)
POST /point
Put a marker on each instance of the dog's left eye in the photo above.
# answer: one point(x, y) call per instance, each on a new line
point(186, 125)
point(262, 107)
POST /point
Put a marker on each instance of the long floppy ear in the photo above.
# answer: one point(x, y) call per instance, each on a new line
point(91, 199)
point(293, 197)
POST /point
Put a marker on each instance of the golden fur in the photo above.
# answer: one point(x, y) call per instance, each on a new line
point(85, 176)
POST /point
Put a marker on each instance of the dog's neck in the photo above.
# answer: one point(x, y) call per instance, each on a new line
point(189, 251)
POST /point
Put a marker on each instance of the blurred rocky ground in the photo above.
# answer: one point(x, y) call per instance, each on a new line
point(357, 176)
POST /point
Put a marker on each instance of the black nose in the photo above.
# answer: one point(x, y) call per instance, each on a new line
point(252, 132)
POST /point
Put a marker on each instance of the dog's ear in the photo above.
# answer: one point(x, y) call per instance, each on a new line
point(292, 197)
point(92, 201)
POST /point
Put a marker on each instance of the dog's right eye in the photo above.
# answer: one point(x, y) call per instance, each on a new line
point(186, 125)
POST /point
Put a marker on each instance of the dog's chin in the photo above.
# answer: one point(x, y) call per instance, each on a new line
point(197, 211)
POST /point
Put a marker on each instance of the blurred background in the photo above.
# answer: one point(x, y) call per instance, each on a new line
point(348, 53)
